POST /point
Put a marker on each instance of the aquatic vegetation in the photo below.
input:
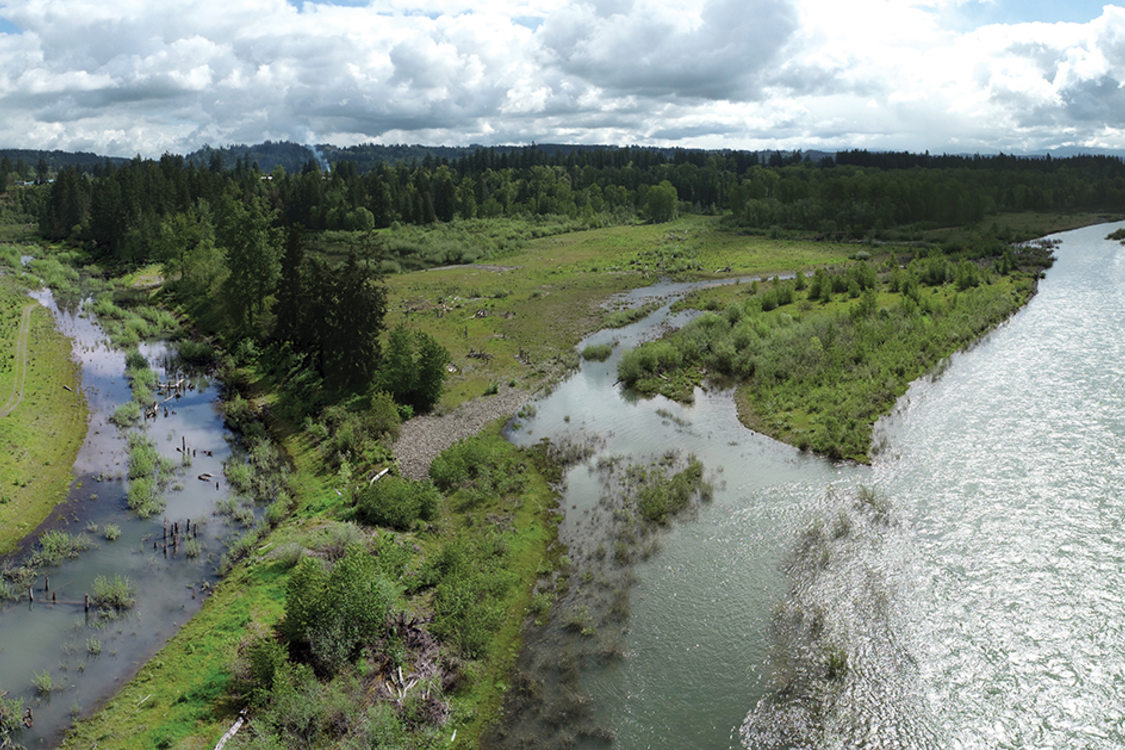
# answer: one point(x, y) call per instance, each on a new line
point(115, 593)
point(597, 352)
point(57, 545)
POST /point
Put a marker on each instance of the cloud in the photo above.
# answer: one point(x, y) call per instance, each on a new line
point(134, 76)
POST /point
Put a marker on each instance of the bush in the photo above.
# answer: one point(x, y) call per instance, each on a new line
point(333, 614)
point(413, 368)
point(263, 658)
point(11, 718)
point(198, 353)
point(143, 499)
point(397, 502)
point(472, 582)
point(56, 545)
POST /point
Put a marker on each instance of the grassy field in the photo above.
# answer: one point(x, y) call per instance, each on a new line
point(40, 438)
point(520, 317)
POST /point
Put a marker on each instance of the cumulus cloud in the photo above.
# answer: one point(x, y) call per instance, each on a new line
point(133, 76)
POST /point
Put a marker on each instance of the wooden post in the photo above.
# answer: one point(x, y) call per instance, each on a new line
point(46, 583)
point(86, 602)
point(30, 595)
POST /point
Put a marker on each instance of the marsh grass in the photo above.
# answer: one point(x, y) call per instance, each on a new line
point(56, 545)
point(597, 352)
point(115, 593)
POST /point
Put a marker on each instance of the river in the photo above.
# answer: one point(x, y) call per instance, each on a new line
point(987, 612)
point(60, 639)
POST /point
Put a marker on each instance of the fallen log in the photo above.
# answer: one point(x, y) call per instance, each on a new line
point(233, 730)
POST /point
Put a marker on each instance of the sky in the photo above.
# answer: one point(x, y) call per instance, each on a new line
point(128, 77)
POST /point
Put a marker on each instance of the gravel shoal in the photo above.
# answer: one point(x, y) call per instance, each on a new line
point(423, 438)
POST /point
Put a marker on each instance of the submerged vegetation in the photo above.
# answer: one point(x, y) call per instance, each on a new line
point(837, 636)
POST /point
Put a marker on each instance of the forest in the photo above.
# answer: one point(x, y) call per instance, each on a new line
point(338, 303)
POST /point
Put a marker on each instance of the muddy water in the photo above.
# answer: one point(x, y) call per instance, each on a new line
point(57, 638)
point(982, 606)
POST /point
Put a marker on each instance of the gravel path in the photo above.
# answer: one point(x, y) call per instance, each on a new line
point(423, 438)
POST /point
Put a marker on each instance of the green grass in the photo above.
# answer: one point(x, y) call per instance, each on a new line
point(526, 321)
point(40, 438)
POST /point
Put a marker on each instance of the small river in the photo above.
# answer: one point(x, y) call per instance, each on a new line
point(985, 609)
point(56, 638)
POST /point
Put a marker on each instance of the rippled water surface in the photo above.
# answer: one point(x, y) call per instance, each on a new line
point(990, 610)
point(1010, 466)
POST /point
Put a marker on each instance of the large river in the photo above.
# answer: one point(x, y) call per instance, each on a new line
point(988, 612)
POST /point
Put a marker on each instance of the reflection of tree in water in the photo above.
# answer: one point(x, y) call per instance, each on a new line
point(586, 628)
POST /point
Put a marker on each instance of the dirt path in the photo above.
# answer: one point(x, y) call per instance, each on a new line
point(21, 362)
point(423, 438)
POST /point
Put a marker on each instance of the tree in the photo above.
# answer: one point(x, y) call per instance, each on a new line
point(253, 256)
point(353, 323)
point(413, 368)
point(660, 203)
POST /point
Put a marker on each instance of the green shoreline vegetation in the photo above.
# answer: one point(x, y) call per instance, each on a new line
point(817, 360)
point(331, 308)
point(40, 438)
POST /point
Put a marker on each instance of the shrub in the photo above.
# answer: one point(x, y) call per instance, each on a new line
point(143, 499)
point(334, 614)
point(43, 682)
point(134, 360)
point(264, 658)
point(198, 353)
point(111, 531)
point(143, 458)
point(11, 718)
point(397, 502)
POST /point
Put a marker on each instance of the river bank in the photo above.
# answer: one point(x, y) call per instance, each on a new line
point(44, 415)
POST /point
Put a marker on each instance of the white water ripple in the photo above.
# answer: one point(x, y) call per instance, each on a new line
point(1010, 469)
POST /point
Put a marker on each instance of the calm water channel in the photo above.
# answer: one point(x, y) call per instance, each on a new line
point(55, 638)
point(990, 610)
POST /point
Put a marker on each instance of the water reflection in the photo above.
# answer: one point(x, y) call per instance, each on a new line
point(55, 635)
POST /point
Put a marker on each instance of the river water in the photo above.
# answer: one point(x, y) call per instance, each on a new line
point(59, 638)
point(982, 606)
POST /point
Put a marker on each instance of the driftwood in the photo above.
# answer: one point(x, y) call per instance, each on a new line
point(233, 730)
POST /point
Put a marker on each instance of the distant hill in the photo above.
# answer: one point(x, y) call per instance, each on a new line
point(292, 157)
point(54, 160)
